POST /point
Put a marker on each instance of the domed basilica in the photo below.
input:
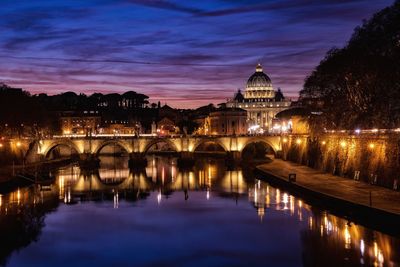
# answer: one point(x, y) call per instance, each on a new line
point(261, 101)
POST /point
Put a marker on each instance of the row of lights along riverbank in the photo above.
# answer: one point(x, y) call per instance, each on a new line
point(343, 144)
point(365, 131)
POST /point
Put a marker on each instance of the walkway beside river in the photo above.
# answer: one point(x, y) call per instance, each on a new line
point(340, 188)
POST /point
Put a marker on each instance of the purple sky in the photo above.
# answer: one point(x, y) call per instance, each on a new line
point(184, 53)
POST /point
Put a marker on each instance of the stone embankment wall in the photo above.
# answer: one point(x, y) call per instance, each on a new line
point(372, 158)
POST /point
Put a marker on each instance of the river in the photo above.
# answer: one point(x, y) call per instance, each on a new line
point(207, 216)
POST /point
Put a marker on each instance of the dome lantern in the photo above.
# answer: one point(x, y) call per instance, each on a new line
point(259, 68)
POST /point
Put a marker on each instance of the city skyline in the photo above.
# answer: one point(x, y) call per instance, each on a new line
point(185, 55)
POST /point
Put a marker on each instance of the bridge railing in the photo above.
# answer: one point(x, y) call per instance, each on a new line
point(155, 136)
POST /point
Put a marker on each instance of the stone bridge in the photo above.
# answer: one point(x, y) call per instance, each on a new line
point(92, 146)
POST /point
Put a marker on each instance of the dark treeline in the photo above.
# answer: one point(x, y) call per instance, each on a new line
point(359, 85)
point(18, 106)
point(24, 114)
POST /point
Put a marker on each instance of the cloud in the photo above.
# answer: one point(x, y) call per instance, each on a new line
point(170, 50)
point(166, 5)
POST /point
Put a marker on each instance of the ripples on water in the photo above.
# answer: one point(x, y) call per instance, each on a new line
point(209, 216)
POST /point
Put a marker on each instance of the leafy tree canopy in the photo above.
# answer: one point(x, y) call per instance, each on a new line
point(359, 84)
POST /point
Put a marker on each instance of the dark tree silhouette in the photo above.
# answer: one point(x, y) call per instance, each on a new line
point(359, 85)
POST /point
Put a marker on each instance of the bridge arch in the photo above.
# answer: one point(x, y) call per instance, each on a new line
point(265, 141)
point(160, 140)
point(61, 143)
point(120, 144)
point(204, 141)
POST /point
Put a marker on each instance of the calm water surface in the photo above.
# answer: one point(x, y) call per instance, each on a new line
point(209, 216)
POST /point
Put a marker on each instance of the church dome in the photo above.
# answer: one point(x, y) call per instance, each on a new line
point(259, 85)
point(259, 79)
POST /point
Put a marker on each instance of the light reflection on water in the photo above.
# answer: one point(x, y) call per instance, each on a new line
point(358, 245)
point(309, 236)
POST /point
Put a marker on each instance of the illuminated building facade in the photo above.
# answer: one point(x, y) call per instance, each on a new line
point(85, 123)
point(260, 101)
point(224, 121)
point(228, 121)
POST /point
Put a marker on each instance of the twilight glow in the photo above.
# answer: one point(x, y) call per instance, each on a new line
point(184, 53)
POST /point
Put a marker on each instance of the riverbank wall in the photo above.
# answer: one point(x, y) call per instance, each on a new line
point(372, 158)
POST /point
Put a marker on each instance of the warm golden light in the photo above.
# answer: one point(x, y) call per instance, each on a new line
point(285, 140)
point(261, 212)
point(323, 143)
point(298, 141)
point(18, 144)
point(1, 145)
point(18, 196)
point(300, 204)
point(343, 144)
point(347, 237)
point(277, 198)
point(371, 145)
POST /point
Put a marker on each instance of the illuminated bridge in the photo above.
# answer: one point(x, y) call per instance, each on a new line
point(139, 146)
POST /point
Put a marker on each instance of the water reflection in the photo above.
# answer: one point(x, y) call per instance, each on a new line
point(328, 237)
point(22, 215)
point(326, 240)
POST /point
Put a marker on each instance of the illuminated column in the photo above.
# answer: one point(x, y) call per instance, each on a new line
point(265, 116)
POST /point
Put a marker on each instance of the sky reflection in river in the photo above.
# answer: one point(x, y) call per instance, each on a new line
point(208, 216)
